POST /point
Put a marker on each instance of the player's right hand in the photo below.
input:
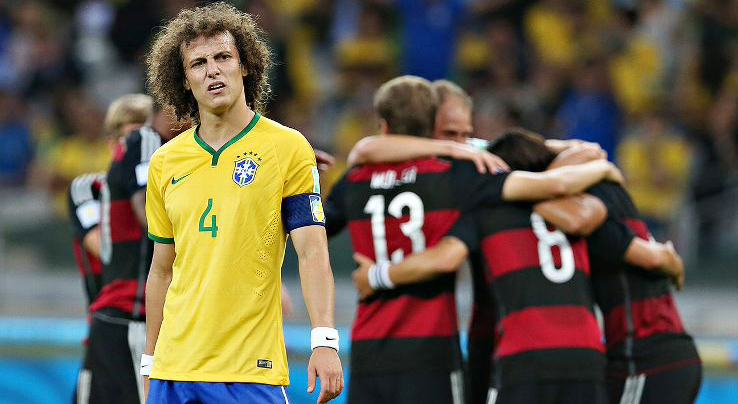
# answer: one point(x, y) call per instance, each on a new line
point(325, 364)
point(361, 275)
point(484, 160)
point(324, 160)
point(675, 266)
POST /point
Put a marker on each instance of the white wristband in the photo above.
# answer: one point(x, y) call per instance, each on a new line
point(379, 276)
point(146, 362)
point(324, 336)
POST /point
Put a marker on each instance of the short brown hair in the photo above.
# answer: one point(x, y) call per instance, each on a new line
point(522, 150)
point(444, 89)
point(128, 108)
point(165, 64)
point(408, 105)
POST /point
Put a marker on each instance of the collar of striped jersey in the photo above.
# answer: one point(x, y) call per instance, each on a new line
point(216, 154)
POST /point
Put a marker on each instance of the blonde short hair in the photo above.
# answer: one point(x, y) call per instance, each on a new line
point(408, 105)
point(127, 109)
point(445, 89)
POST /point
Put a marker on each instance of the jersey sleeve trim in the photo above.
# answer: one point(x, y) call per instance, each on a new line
point(162, 240)
point(216, 154)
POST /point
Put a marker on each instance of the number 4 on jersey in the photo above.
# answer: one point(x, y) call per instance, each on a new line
point(213, 228)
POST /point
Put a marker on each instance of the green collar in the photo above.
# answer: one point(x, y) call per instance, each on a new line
point(241, 134)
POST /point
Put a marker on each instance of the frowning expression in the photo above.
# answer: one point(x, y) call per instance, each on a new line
point(213, 72)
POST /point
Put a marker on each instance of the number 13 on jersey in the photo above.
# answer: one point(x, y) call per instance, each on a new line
point(412, 229)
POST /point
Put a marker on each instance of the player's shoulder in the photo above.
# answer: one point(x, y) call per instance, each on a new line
point(82, 188)
point(607, 190)
point(144, 141)
point(280, 133)
point(177, 143)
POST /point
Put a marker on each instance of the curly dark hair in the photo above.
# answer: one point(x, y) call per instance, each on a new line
point(165, 62)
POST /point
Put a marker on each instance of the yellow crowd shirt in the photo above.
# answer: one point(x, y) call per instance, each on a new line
point(223, 210)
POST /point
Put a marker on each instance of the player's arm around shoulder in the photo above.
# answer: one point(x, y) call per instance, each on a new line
point(444, 257)
point(316, 278)
point(578, 215)
point(397, 148)
point(558, 182)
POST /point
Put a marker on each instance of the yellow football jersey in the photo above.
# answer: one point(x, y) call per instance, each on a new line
point(223, 212)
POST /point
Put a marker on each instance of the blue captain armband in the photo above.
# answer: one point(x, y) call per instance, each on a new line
point(302, 210)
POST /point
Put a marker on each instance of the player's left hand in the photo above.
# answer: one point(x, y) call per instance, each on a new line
point(484, 160)
point(325, 364)
point(324, 160)
point(361, 275)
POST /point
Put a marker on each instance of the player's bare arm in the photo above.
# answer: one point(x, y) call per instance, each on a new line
point(157, 283)
point(657, 257)
point(316, 278)
point(562, 181)
point(578, 155)
point(396, 148)
point(559, 145)
point(577, 215)
point(138, 203)
point(91, 241)
point(444, 257)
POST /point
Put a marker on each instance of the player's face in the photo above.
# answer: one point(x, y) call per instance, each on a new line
point(213, 72)
point(453, 121)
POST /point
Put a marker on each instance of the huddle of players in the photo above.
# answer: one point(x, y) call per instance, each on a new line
point(534, 337)
point(113, 252)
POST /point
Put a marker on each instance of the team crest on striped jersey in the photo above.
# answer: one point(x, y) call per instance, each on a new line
point(245, 169)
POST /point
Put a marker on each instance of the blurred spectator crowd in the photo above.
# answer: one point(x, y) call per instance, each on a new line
point(655, 82)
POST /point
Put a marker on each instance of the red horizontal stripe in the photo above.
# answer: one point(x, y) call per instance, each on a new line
point(436, 224)
point(510, 250)
point(120, 293)
point(639, 227)
point(548, 327)
point(652, 315)
point(428, 165)
point(123, 223)
point(406, 317)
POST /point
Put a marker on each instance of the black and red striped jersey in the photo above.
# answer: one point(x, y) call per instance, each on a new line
point(393, 210)
point(643, 329)
point(125, 250)
point(546, 327)
point(84, 213)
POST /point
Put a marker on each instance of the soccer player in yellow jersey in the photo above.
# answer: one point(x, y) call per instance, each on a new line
point(221, 199)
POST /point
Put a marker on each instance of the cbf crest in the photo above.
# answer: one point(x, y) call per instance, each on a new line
point(245, 169)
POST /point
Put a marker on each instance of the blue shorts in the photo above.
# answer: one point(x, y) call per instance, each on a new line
point(173, 392)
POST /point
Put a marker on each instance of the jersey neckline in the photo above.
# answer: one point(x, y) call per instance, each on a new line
point(216, 154)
